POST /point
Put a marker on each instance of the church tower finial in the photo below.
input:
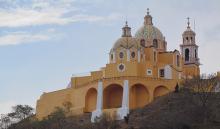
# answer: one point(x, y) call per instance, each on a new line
point(148, 11)
point(126, 30)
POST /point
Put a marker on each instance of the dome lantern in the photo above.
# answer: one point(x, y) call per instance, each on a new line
point(126, 30)
point(148, 18)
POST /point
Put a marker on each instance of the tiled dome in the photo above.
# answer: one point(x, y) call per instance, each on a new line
point(125, 42)
point(149, 32)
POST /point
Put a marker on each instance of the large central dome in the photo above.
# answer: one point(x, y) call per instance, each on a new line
point(148, 31)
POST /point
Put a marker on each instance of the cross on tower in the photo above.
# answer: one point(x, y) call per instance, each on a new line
point(188, 21)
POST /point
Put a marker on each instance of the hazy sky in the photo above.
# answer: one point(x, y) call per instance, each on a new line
point(44, 42)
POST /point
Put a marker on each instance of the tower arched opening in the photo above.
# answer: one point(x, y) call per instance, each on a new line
point(187, 54)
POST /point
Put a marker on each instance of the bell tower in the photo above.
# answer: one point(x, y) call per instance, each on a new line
point(189, 51)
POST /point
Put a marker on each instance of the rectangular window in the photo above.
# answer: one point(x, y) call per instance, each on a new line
point(161, 72)
point(149, 72)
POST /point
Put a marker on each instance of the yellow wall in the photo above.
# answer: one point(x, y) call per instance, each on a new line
point(77, 96)
point(191, 70)
point(143, 88)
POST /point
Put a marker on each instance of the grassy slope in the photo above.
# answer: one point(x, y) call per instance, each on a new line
point(181, 110)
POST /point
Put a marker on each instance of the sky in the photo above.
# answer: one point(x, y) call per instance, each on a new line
point(45, 42)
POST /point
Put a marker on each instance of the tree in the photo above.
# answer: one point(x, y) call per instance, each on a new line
point(203, 86)
point(203, 90)
point(57, 118)
point(106, 122)
point(5, 121)
point(21, 112)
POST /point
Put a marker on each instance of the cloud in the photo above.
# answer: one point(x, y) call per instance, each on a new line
point(14, 14)
point(21, 37)
point(44, 13)
point(29, 17)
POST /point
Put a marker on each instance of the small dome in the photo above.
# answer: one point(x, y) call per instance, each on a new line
point(125, 42)
point(189, 31)
point(149, 32)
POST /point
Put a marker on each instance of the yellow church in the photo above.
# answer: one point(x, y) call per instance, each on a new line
point(140, 70)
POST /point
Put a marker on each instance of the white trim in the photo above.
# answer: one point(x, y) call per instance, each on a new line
point(128, 55)
point(167, 72)
point(98, 112)
point(125, 100)
point(124, 110)
point(139, 56)
point(114, 57)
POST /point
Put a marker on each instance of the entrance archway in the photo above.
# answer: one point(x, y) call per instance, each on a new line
point(91, 100)
point(139, 96)
point(112, 96)
point(160, 91)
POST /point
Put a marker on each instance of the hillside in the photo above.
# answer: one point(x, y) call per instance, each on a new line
point(182, 110)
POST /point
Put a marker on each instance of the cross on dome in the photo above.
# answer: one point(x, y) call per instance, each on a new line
point(126, 23)
point(148, 11)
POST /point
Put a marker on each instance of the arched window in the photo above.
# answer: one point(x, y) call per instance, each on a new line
point(112, 57)
point(164, 45)
point(121, 55)
point(177, 60)
point(187, 38)
point(133, 54)
point(155, 43)
point(155, 56)
point(143, 42)
point(187, 54)
point(195, 53)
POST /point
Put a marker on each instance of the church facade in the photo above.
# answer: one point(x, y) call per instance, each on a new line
point(139, 70)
